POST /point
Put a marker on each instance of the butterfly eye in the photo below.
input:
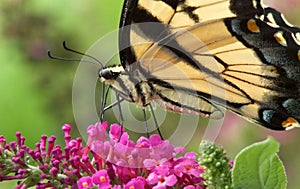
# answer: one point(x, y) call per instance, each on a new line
point(106, 74)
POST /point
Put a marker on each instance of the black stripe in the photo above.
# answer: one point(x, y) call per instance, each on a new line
point(139, 92)
point(155, 31)
point(246, 8)
point(281, 83)
point(126, 53)
point(190, 12)
point(173, 3)
point(128, 11)
point(202, 94)
point(171, 44)
point(166, 99)
point(190, 60)
point(142, 15)
point(132, 13)
point(124, 90)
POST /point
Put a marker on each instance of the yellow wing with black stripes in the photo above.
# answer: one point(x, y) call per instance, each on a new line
point(192, 56)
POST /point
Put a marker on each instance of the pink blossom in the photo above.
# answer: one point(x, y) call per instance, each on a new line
point(161, 182)
point(136, 183)
point(101, 179)
point(115, 131)
point(84, 182)
point(110, 161)
point(98, 131)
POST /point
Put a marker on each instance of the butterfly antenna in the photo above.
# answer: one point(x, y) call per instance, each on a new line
point(77, 52)
point(50, 55)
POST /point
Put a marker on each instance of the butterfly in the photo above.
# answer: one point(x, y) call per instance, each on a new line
point(193, 56)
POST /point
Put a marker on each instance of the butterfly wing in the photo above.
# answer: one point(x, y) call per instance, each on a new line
point(244, 64)
point(145, 22)
point(273, 16)
point(193, 59)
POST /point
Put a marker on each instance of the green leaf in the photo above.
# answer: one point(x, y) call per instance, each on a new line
point(258, 166)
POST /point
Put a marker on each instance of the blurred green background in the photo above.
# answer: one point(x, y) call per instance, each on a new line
point(36, 92)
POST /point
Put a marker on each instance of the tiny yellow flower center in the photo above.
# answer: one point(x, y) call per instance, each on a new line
point(84, 184)
point(102, 178)
point(131, 187)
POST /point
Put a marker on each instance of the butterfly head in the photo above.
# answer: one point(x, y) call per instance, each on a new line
point(109, 75)
point(118, 79)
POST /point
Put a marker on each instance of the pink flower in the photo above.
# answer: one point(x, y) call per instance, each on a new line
point(101, 179)
point(162, 150)
point(115, 131)
point(142, 142)
point(136, 183)
point(111, 161)
point(179, 150)
point(160, 181)
point(101, 148)
point(155, 140)
point(84, 182)
point(98, 131)
point(187, 165)
point(190, 155)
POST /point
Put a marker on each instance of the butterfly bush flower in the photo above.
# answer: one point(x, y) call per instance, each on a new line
point(109, 160)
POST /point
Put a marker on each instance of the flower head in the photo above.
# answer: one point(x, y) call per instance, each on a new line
point(101, 179)
point(107, 161)
point(84, 182)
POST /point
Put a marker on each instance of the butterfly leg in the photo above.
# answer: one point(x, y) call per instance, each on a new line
point(103, 102)
point(121, 118)
point(155, 121)
point(111, 106)
point(146, 125)
point(116, 103)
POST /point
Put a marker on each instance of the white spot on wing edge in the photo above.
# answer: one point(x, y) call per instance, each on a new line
point(280, 39)
point(271, 18)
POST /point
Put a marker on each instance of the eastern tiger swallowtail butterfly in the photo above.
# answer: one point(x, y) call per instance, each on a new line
point(203, 54)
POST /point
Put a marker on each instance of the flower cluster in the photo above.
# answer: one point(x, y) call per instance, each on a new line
point(148, 163)
point(46, 166)
point(109, 160)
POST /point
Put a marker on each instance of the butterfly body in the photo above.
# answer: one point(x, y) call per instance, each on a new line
point(248, 62)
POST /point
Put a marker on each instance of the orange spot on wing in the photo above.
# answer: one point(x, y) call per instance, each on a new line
point(290, 123)
point(252, 26)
